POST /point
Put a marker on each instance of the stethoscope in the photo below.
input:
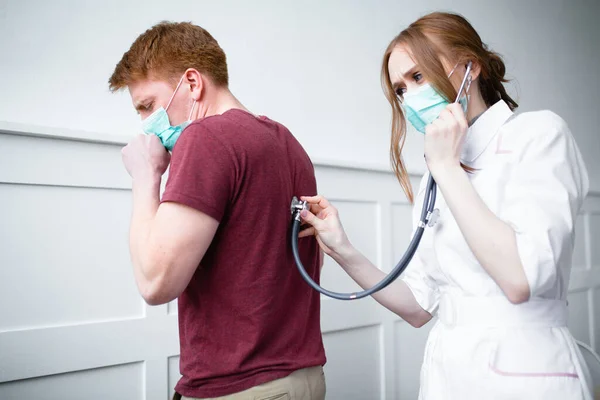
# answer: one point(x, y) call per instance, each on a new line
point(428, 218)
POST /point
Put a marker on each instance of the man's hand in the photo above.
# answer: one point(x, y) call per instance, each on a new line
point(145, 157)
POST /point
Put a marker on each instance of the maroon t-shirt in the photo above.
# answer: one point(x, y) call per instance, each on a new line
point(246, 317)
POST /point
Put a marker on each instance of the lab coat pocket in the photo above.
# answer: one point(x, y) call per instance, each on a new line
point(533, 353)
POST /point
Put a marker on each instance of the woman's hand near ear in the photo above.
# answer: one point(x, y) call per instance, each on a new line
point(444, 139)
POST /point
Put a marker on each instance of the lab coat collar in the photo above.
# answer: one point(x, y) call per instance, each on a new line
point(481, 133)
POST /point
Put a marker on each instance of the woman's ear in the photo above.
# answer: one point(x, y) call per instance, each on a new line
point(475, 70)
point(194, 83)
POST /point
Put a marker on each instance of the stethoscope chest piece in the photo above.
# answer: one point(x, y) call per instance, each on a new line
point(297, 206)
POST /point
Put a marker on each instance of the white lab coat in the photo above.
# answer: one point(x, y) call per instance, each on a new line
point(531, 175)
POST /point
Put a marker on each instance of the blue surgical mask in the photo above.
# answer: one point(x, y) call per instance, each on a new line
point(424, 106)
point(158, 124)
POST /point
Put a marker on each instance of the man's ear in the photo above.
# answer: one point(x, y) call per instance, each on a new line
point(194, 82)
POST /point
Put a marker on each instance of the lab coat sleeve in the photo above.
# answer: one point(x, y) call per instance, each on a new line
point(542, 197)
point(416, 276)
point(421, 285)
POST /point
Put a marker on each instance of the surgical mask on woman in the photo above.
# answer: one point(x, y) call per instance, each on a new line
point(424, 105)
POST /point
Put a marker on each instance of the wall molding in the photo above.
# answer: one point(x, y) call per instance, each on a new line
point(49, 132)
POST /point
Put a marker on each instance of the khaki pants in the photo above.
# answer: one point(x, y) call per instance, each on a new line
point(303, 384)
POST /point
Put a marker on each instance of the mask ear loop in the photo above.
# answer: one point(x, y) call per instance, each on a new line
point(192, 111)
point(453, 69)
point(466, 80)
point(175, 92)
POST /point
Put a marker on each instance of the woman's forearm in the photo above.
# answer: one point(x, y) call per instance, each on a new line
point(492, 241)
point(396, 297)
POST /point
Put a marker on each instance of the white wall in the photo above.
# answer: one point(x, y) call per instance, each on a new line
point(314, 65)
point(72, 324)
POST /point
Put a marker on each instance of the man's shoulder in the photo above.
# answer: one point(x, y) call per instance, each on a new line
point(235, 126)
point(244, 135)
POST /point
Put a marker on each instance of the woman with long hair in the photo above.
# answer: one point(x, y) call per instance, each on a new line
point(496, 264)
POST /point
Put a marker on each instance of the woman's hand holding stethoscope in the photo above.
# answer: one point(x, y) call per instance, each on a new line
point(444, 139)
point(325, 226)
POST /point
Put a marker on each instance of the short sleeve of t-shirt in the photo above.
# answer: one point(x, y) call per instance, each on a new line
point(202, 173)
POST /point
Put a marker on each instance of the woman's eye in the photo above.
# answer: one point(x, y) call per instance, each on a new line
point(400, 92)
point(417, 77)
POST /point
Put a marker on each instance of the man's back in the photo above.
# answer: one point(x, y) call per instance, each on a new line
point(246, 317)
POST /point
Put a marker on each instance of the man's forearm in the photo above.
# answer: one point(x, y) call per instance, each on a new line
point(146, 199)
